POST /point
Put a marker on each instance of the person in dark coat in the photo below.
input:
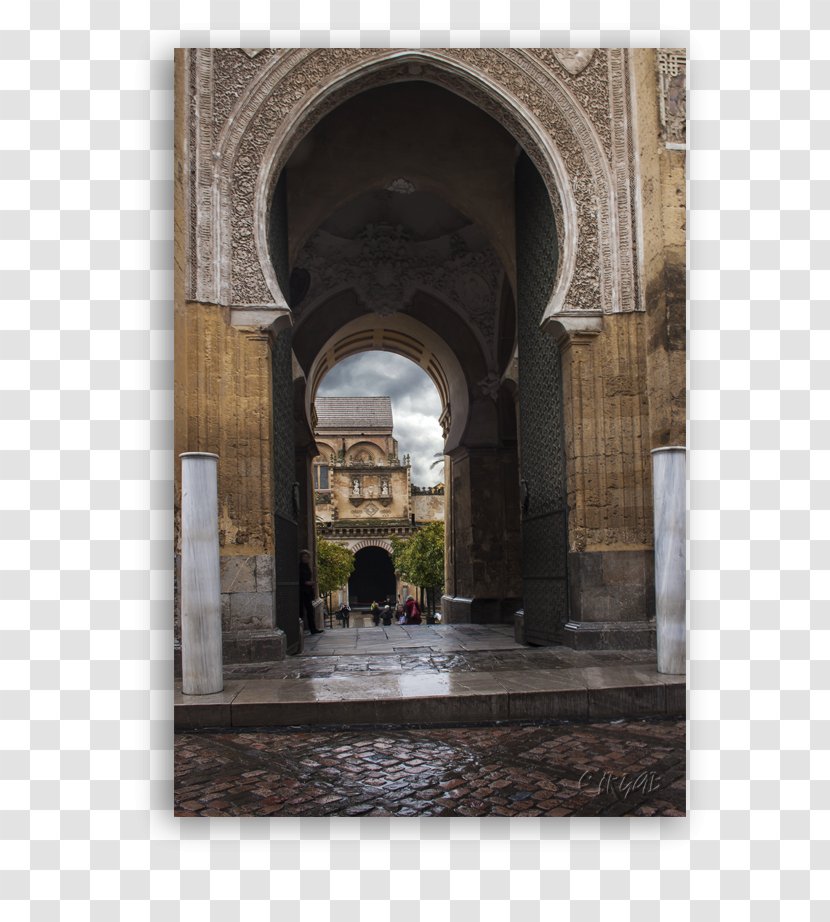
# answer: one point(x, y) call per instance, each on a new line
point(343, 614)
point(307, 591)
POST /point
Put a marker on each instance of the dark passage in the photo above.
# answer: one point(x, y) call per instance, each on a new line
point(373, 578)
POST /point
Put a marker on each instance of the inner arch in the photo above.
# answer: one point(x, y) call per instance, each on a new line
point(405, 336)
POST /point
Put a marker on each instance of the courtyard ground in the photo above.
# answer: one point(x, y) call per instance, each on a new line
point(277, 740)
point(608, 768)
point(411, 675)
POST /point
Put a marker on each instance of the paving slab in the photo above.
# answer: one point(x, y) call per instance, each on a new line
point(434, 675)
point(431, 699)
point(193, 711)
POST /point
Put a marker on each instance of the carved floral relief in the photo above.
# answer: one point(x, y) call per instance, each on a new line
point(244, 98)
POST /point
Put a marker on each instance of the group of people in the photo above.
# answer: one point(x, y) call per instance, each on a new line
point(384, 612)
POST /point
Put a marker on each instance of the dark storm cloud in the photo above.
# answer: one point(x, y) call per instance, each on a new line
point(374, 374)
point(415, 404)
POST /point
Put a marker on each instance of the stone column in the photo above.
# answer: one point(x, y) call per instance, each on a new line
point(485, 584)
point(200, 592)
point(670, 557)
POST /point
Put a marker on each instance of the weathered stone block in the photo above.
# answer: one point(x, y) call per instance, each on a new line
point(238, 574)
point(226, 612)
point(611, 585)
point(627, 602)
point(264, 573)
point(609, 635)
point(253, 646)
point(592, 604)
point(251, 611)
point(456, 610)
point(622, 567)
point(268, 647)
point(236, 648)
point(460, 610)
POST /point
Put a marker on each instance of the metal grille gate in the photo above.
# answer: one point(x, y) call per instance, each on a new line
point(286, 588)
point(542, 464)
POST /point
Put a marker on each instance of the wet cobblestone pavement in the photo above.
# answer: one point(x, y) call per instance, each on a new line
point(608, 768)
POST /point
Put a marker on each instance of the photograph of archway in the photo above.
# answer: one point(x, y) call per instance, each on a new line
point(512, 223)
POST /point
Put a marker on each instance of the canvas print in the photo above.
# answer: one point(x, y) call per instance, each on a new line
point(430, 315)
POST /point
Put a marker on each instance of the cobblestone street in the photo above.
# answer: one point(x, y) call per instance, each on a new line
point(608, 768)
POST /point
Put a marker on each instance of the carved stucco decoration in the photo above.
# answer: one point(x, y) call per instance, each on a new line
point(574, 60)
point(385, 267)
point(580, 145)
point(602, 90)
point(591, 89)
point(233, 70)
point(671, 69)
point(490, 385)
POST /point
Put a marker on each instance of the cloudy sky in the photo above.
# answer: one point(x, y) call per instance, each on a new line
point(415, 404)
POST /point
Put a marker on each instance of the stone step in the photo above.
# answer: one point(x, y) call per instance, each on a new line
point(609, 635)
point(585, 693)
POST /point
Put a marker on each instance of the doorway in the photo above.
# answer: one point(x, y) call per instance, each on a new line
point(432, 235)
point(373, 579)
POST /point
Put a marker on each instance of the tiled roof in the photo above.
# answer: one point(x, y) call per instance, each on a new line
point(354, 412)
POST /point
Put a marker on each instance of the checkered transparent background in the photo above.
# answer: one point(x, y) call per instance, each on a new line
point(86, 466)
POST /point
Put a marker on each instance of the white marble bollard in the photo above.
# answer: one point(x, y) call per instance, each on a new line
point(669, 466)
point(200, 594)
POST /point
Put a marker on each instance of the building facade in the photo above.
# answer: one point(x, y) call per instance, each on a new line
point(512, 220)
point(363, 494)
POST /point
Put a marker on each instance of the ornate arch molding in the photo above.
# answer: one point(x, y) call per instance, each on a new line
point(249, 111)
point(382, 543)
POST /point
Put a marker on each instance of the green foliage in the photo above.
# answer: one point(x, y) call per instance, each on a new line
point(400, 556)
point(420, 559)
point(334, 565)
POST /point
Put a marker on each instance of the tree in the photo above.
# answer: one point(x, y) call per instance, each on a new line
point(400, 557)
point(334, 566)
point(420, 559)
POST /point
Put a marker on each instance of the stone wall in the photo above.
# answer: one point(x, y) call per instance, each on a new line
point(222, 404)
point(606, 436)
point(427, 507)
point(624, 394)
point(483, 576)
point(663, 207)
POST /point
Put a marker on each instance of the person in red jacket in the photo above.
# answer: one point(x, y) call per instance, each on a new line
point(412, 611)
